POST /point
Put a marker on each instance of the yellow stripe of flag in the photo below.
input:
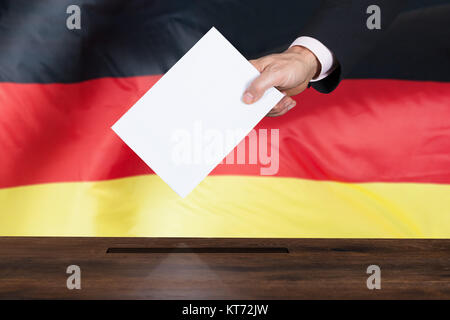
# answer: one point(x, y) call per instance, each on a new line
point(227, 206)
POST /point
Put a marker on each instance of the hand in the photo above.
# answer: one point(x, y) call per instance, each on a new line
point(290, 72)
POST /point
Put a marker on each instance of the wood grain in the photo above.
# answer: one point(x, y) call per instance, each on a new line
point(33, 268)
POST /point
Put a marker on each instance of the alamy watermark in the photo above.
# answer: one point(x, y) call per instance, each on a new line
point(73, 21)
point(74, 280)
point(374, 20)
point(207, 146)
point(374, 280)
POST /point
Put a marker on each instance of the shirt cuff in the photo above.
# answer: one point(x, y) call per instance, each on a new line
point(324, 55)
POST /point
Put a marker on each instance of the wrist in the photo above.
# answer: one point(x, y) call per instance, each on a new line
point(309, 57)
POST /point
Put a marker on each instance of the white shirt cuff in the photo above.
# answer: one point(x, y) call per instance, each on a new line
point(324, 55)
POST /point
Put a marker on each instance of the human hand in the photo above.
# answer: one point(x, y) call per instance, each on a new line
point(290, 72)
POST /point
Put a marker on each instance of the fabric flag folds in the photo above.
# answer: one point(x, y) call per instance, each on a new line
point(369, 160)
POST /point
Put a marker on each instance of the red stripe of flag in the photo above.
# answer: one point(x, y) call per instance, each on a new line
point(367, 130)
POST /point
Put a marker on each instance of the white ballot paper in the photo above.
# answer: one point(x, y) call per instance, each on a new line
point(186, 124)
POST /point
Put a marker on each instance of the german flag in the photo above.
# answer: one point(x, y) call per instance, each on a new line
point(369, 160)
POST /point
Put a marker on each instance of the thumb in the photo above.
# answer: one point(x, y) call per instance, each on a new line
point(255, 91)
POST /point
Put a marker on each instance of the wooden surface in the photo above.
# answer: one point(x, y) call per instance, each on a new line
point(223, 268)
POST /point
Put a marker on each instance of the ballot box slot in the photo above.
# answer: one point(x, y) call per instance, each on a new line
point(236, 250)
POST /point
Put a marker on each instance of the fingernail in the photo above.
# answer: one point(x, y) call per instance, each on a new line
point(293, 104)
point(248, 98)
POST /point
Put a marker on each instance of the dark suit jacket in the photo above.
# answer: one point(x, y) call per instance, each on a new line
point(139, 37)
point(341, 26)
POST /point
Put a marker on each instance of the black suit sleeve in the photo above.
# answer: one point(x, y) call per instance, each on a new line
point(341, 26)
